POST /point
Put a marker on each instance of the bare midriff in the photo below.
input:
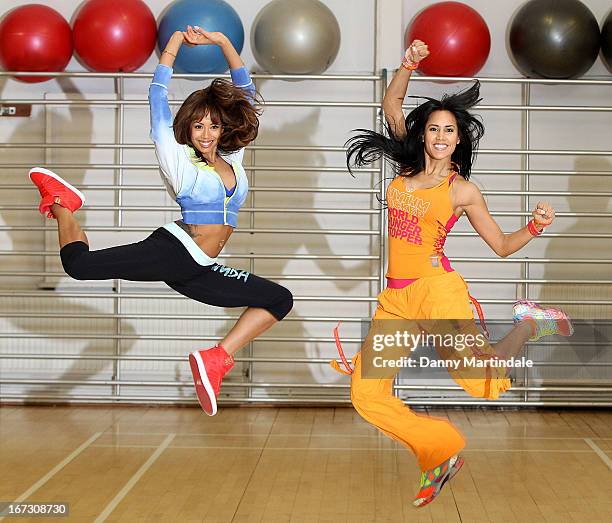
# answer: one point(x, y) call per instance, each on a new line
point(211, 238)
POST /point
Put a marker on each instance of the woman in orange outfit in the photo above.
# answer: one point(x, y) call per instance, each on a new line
point(433, 149)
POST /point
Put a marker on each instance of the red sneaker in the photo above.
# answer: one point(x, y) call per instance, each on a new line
point(53, 189)
point(208, 367)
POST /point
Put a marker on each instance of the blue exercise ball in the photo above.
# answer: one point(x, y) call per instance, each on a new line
point(210, 15)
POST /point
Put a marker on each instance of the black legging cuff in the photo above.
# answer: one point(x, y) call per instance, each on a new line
point(69, 255)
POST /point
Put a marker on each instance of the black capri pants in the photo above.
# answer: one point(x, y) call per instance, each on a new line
point(162, 257)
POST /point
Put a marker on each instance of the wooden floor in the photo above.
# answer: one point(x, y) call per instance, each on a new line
point(300, 465)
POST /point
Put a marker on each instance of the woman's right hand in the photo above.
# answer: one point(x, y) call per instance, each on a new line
point(416, 51)
point(172, 48)
point(197, 36)
point(177, 38)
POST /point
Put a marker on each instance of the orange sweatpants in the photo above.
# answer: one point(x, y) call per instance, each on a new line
point(432, 440)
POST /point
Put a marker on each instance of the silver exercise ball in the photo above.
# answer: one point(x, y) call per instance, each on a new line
point(295, 37)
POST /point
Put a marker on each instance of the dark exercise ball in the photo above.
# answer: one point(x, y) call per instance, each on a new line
point(554, 38)
point(606, 40)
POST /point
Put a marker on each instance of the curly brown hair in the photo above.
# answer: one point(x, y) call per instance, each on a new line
point(227, 105)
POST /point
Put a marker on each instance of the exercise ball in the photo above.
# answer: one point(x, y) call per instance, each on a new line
point(295, 37)
point(114, 35)
point(34, 37)
point(554, 38)
point(457, 36)
point(606, 40)
point(210, 15)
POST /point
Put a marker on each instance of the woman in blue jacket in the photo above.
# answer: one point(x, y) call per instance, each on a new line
point(200, 158)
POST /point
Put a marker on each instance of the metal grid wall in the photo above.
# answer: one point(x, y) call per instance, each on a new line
point(117, 388)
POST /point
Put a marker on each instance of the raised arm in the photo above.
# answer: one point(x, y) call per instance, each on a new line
point(470, 200)
point(161, 116)
point(239, 73)
point(396, 91)
point(169, 153)
point(172, 159)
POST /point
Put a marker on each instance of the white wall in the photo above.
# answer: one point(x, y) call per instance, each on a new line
point(305, 126)
point(289, 126)
point(553, 131)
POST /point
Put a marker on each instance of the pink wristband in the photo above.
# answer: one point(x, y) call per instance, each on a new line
point(533, 229)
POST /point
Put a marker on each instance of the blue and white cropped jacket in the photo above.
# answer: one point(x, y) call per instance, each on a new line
point(193, 184)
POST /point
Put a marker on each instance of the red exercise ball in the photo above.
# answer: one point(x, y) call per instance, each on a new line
point(458, 38)
point(34, 37)
point(114, 35)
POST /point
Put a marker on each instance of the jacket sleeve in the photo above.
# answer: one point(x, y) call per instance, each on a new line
point(242, 79)
point(170, 154)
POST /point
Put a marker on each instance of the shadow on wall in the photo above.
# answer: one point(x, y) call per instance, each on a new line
point(589, 328)
point(591, 248)
point(34, 130)
point(300, 131)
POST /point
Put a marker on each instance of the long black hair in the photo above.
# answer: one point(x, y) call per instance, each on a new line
point(407, 154)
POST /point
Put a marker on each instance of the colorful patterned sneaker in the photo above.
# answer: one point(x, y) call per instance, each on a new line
point(433, 480)
point(53, 189)
point(208, 367)
point(546, 322)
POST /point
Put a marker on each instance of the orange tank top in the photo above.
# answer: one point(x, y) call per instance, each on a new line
point(419, 221)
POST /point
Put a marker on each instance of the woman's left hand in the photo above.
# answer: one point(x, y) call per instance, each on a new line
point(197, 36)
point(543, 215)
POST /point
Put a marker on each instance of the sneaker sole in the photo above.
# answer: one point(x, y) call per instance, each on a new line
point(204, 390)
point(569, 325)
point(59, 179)
point(454, 469)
